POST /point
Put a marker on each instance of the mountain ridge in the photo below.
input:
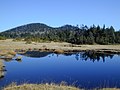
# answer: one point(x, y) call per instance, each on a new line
point(41, 24)
point(66, 33)
point(33, 29)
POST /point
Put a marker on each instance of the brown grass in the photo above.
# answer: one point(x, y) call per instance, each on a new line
point(1, 69)
point(11, 45)
point(59, 51)
point(12, 52)
point(1, 65)
point(7, 52)
point(46, 86)
point(39, 87)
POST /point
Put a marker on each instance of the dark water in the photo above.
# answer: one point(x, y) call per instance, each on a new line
point(85, 70)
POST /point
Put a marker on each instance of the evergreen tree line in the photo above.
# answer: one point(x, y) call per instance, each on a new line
point(84, 35)
point(68, 33)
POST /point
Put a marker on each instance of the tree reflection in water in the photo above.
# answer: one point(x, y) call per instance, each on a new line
point(94, 56)
point(90, 55)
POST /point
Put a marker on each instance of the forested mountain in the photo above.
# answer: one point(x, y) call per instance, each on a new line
point(26, 30)
point(67, 33)
point(34, 29)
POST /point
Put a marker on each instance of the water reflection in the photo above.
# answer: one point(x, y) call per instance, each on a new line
point(90, 55)
point(70, 67)
point(93, 56)
point(2, 69)
point(36, 54)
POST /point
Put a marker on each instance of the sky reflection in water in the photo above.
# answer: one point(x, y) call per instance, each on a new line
point(81, 69)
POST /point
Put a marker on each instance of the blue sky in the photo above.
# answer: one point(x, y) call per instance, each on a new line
point(59, 12)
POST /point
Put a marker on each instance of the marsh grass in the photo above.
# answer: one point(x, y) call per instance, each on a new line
point(12, 52)
point(59, 51)
point(46, 86)
point(2, 69)
point(28, 42)
point(1, 66)
point(51, 86)
point(7, 52)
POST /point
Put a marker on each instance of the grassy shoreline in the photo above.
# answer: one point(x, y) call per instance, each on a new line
point(47, 86)
point(8, 48)
point(9, 44)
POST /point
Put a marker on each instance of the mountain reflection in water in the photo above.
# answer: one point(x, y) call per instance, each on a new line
point(90, 55)
point(38, 67)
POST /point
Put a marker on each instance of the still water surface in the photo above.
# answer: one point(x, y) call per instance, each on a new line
point(80, 69)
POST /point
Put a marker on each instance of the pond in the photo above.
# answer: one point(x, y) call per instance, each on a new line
point(83, 69)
